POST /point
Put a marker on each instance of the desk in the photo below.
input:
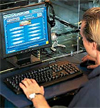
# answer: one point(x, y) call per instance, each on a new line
point(21, 101)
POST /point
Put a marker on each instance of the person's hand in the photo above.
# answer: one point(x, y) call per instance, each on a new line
point(30, 86)
point(87, 57)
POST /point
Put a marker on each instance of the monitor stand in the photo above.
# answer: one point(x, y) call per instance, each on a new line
point(24, 60)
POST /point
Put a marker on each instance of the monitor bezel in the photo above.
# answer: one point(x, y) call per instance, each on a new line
point(8, 11)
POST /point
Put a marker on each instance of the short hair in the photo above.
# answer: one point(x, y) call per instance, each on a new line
point(92, 25)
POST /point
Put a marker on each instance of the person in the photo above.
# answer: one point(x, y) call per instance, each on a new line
point(89, 94)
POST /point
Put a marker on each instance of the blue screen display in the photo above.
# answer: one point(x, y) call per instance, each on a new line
point(25, 29)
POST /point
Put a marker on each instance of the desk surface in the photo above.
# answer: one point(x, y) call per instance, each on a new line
point(21, 101)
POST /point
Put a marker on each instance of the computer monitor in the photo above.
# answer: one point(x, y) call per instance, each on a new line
point(24, 29)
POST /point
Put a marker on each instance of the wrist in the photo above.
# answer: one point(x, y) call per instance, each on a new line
point(33, 95)
point(40, 102)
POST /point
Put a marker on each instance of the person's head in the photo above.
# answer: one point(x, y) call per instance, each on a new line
point(90, 31)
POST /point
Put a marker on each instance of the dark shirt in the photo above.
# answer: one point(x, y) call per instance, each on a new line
point(89, 94)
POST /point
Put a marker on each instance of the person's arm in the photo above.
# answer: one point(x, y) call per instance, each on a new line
point(40, 102)
point(87, 57)
point(30, 86)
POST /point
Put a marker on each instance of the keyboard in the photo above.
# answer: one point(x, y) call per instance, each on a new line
point(45, 76)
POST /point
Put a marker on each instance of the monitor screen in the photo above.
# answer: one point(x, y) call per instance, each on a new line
point(24, 29)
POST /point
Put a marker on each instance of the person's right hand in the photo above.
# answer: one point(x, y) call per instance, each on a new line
point(87, 57)
point(30, 86)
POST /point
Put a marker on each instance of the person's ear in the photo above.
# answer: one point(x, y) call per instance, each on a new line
point(94, 45)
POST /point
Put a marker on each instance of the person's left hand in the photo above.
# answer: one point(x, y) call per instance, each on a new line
point(87, 57)
point(30, 86)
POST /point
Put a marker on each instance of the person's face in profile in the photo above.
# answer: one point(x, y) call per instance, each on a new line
point(88, 45)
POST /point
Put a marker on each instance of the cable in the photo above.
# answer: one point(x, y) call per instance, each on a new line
point(50, 7)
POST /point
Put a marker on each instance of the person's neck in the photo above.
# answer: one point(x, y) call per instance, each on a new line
point(98, 57)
